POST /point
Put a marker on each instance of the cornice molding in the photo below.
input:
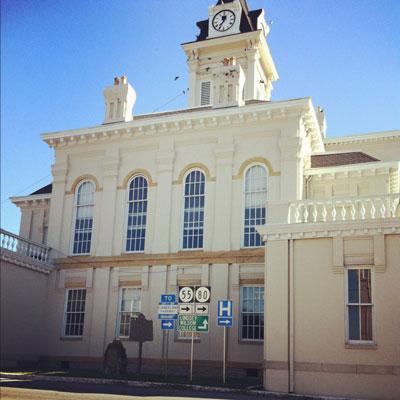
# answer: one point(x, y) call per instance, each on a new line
point(385, 136)
point(274, 232)
point(153, 126)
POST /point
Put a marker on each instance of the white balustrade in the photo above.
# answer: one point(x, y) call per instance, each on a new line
point(344, 209)
point(17, 244)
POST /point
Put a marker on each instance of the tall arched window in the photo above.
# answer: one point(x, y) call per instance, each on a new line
point(255, 197)
point(137, 214)
point(83, 218)
point(193, 218)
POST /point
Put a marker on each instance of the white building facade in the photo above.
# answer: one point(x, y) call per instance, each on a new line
point(142, 204)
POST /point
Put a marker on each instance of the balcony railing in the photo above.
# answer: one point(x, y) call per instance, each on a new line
point(24, 247)
point(344, 209)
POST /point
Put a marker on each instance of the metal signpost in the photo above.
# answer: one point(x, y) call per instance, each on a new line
point(193, 313)
point(167, 313)
point(224, 319)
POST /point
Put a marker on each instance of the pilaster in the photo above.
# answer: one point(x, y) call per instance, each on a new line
point(193, 68)
point(224, 152)
point(250, 84)
point(110, 166)
point(56, 217)
point(165, 166)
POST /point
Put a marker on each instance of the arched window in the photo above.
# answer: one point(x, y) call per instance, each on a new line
point(255, 197)
point(193, 218)
point(137, 214)
point(83, 218)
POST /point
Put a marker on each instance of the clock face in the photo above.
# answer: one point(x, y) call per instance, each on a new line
point(223, 20)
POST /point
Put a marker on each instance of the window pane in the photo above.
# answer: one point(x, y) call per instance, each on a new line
point(365, 285)
point(251, 313)
point(129, 304)
point(353, 285)
point(354, 323)
point(366, 322)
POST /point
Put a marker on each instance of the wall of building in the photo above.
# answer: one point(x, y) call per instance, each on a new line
point(103, 286)
point(314, 292)
point(23, 308)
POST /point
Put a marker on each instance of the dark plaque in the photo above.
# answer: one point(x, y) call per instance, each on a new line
point(141, 329)
point(115, 359)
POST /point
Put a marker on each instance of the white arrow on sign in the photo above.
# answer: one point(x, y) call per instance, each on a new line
point(224, 321)
point(169, 324)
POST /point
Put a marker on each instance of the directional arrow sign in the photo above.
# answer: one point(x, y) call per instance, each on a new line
point(167, 324)
point(225, 321)
point(186, 309)
point(201, 309)
point(202, 323)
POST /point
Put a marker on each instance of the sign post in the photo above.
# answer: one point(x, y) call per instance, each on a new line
point(225, 320)
point(167, 313)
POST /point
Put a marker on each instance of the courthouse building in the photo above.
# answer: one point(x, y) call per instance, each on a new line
point(237, 192)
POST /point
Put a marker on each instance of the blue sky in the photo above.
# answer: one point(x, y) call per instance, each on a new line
point(57, 56)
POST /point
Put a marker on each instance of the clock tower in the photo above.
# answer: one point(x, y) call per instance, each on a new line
point(230, 62)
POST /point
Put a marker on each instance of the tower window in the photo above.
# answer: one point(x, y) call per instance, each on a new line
point(205, 93)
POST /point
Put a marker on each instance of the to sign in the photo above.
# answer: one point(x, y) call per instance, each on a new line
point(186, 294)
point(168, 299)
point(203, 294)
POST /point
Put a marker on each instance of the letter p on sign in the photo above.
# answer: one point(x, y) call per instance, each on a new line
point(225, 308)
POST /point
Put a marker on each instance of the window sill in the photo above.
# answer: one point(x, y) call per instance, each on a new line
point(72, 338)
point(360, 346)
point(251, 342)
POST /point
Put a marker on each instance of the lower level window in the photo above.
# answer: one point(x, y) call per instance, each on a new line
point(359, 305)
point(74, 317)
point(129, 305)
point(252, 312)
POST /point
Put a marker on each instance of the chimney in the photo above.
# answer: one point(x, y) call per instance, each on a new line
point(321, 121)
point(119, 100)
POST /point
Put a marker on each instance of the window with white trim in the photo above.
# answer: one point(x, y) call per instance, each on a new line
point(83, 218)
point(205, 93)
point(359, 305)
point(137, 215)
point(251, 319)
point(255, 198)
point(74, 313)
point(129, 305)
point(193, 215)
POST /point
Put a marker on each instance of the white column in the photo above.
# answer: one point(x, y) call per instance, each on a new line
point(193, 66)
point(105, 236)
point(250, 84)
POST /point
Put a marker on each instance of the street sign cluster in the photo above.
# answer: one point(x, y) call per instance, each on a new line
point(194, 308)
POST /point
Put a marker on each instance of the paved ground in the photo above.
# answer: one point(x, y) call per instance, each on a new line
point(13, 389)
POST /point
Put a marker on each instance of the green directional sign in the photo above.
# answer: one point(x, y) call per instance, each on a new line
point(187, 323)
point(201, 323)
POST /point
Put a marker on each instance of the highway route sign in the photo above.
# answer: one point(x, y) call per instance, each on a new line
point(203, 294)
point(186, 294)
